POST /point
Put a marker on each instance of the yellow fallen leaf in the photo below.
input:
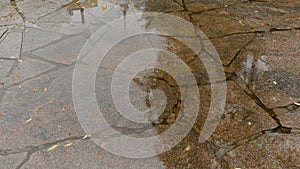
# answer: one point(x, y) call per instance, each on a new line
point(104, 7)
point(29, 120)
point(68, 145)
point(52, 148)
point(86, 136)
point(34, 90)
point(45, 89)
point(188, 148)
point(297, 104)
point(99, 155)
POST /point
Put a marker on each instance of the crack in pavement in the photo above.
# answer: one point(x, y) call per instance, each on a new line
point(280, 128)
point(252, 95)
point(14, 4)
point(2, 58)
point(33, 149)
point(239, 51)
point(4, 34)
point(56, 64)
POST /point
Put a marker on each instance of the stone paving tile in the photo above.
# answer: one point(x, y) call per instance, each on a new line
point(223, 25)
point(270, 67)
point(10, 46)
point(267, 151)
point(242, 116)
point(237, 43)
point(26, 69)
point(35, 38)
point(105, 16)
point(190, 154)
point(64, 28)
point(33, 9)
point(56, 53)
point(33, 118)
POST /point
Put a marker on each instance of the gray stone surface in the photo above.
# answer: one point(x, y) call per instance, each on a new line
point(50, 108)
point(57, 52)
point(5, 67)
point(10, 47)
point(33, 9)
point(12, 161)
point(27, 68)
point(35, 38)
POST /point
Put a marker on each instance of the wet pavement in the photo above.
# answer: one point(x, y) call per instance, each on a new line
point(257, 42)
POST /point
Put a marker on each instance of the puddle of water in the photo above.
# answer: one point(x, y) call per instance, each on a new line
point(83, 18)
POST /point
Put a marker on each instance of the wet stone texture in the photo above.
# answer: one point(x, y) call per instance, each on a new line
point(258, 45)
point(272, 69)
point(268, 151)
